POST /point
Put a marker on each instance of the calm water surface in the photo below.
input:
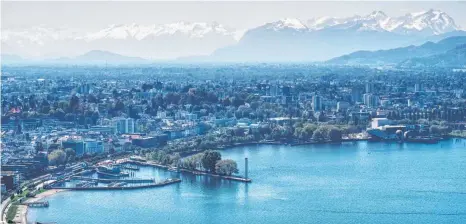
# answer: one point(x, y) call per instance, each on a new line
point(359, 182)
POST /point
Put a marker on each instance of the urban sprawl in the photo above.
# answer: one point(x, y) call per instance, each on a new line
point(55, 118)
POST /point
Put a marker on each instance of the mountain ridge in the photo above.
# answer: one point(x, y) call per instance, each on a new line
point(397, 55)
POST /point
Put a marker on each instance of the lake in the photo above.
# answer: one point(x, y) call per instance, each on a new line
point(352, 182)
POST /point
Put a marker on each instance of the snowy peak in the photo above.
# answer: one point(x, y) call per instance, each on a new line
point(435, 21)
point(428, 22)
point(377, 15)
point(140, 32)
point(286, 23)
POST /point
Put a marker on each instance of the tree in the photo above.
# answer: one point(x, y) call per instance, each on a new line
point(318, 135)
point(74, 103)
point(434, 130)
point(57, 157)
point(334, 134)
point(70, 155)
point(209, 159)
point(226, 167)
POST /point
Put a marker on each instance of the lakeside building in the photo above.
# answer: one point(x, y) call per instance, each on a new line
point(81, 147)
point(10, 180)
point(27, 167)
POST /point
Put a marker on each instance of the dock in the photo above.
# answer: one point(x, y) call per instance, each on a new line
point(195, 172)
point(103, 180)
point(119, 186)
point(38, 204)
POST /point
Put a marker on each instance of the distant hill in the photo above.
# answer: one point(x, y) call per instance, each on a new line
point(10, 58)
point(95, 57)
point(455, 57)
point(397, 55)
point(102, 57)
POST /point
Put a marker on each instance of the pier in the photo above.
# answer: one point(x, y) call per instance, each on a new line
point(38, 204)
point(116, 185)
point(101, 180)
point(195, 172)
point(128, 166)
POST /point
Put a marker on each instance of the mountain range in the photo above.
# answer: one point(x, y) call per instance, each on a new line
point(290, 39)
point(455, 58)
point(400, 55)
point(325, 38)
point(166, 41)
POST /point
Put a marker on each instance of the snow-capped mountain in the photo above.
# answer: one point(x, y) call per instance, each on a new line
point(286, 39)
point(140, 32)
point(432, 22)
point(166, 41)
point(327, 37)
point(286, 23)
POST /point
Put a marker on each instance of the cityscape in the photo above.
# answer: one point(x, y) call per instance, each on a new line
point(143, 124)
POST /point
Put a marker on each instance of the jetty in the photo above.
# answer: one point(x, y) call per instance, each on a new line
point(37, 204)
point(117, 185)
point(101, 180)
point(195, 172)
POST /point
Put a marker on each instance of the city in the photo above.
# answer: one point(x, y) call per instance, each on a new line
point(350, 119)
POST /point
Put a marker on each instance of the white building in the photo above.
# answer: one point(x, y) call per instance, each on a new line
point(379, 122)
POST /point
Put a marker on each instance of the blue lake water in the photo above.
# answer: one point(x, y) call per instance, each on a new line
point(358, 182)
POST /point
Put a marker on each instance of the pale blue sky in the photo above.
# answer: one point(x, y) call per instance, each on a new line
point(240, 15)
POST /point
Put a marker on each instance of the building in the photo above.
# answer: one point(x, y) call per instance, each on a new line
point(27, 167)
point(378, 122)
point(76, 145)
point(418, 87)
point(370, 100)
point(342, 106)
point(123, 125)
point(152, 141)
point(369, 87)
point(10, 180)
point(93, 147)
point(387, 132)
point(317, 103)
point(191, 117)
point(103, 129)
point(356, 95)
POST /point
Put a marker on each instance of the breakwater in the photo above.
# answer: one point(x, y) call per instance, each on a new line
point(159, 184)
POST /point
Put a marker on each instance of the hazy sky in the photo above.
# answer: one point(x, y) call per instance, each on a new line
point(241, 15)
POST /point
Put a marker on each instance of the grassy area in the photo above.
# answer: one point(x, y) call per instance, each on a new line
point(41, 190)
point(10, 215)
point(22, 195)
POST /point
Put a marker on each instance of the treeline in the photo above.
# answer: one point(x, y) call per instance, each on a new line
point(209, 161)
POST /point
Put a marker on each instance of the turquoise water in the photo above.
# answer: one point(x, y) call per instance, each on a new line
point(359, 182)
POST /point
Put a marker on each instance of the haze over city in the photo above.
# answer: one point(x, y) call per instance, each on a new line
point(162, 30)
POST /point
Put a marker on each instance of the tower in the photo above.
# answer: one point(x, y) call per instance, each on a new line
point(246, 167)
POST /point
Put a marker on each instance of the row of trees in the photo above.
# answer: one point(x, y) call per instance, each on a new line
point(61, 157)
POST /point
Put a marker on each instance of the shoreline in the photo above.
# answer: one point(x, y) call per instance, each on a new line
point(22, 211)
